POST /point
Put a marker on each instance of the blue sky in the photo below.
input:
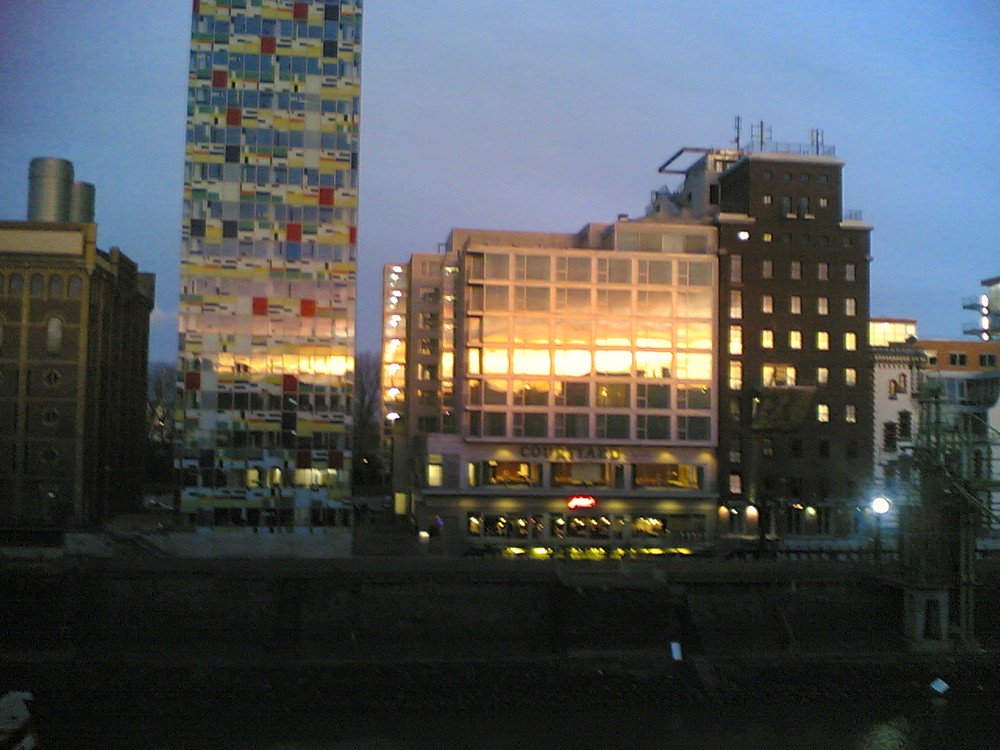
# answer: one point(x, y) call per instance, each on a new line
point(546, 114)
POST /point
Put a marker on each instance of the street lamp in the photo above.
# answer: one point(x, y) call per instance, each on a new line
point(880, 506)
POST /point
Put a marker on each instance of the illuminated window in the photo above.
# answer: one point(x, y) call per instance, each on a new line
point(766, 269)
point(735, 339)
point(735, 375)
point(850, 341)
point(850, 306)
point(822, 412)
point(795, 305)
point(823, 305)
point(822, 375)
point(735, 304)
point(823, 271)
point(767, 200)
point(850, 376)
point(767, 237)
point(849, 272)
point(795, 339)
point(735, 269)
point(767, 303)
point(767, 338)
point(850, 413)
point(777, 375)
point(796, 269)
point(822, 340)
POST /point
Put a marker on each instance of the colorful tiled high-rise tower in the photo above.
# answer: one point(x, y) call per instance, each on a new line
point(268, 263)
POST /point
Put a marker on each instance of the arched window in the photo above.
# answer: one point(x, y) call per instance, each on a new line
point(56, 286)
point(37, 287)
point(53, 335)
point(75, 287)
point(16, 285)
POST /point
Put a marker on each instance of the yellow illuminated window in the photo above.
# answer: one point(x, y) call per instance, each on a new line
point(767, 338)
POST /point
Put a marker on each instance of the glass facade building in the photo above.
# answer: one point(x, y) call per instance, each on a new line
point(268, 262)
point(560, 389)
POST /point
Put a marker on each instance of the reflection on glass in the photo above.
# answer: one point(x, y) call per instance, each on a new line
point(531, 330)
point(573, 362)
point(495, 392)
point(495, 361)
point(694, 303)
point(532, 361)
point(572, 331)
point(694, 335)
point(694, 366)
point(615, 362)
point(654, 364)
point(614, 332)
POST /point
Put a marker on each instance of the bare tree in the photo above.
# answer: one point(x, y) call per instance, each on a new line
point(368, 470)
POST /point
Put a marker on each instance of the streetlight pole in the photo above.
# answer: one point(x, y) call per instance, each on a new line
point(880, 506)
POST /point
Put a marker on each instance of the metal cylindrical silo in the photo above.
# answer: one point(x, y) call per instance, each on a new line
point(50, 182)
point(81, 204)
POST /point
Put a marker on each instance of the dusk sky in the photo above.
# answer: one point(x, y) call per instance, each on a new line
point(545, 115)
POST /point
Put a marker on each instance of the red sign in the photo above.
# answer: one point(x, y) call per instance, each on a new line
point(581, 501)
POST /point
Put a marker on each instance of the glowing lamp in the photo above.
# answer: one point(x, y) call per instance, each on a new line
point(581, 501)
point(881, 505)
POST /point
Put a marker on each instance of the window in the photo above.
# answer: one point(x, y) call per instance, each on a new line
point(905, 424)
point(987, 360)
point(850, 376)
point(849, 272)
point(652, 396)
point(823, 202)
point(822, 340)
point(795, 305)
point(652, 427)
point(795, 339)
point(37, 285)
point(822, 375)
point(735, 304)
point(767, 339)
point(735, 269)
point(822, 271)
point(777, 375)
point(693, 428)
point(735, 339)
point(56, 286)
point(850, 341)
point(823, 305)
point(767, 269)
point(822, 412)
point(53, 335)
point(796, 270)
point(850, 306)
point(850, 413)
point(577, 269)
point(889, 437)
point(612, 426)
point(532, 267)
point(767, 237)
point(767, 303)
point(957, 359)
point(786, 207)
point(767, 200)
point(735, 375)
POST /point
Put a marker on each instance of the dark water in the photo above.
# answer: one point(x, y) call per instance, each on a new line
point(741, 724)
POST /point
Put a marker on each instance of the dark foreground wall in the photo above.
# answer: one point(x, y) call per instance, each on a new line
point(409, 611)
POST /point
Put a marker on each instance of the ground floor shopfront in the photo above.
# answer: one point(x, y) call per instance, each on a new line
point(573, 524)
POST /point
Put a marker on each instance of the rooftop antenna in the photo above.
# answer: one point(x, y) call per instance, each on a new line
point(738, 123)
point(760, 133)
point(816, 139)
